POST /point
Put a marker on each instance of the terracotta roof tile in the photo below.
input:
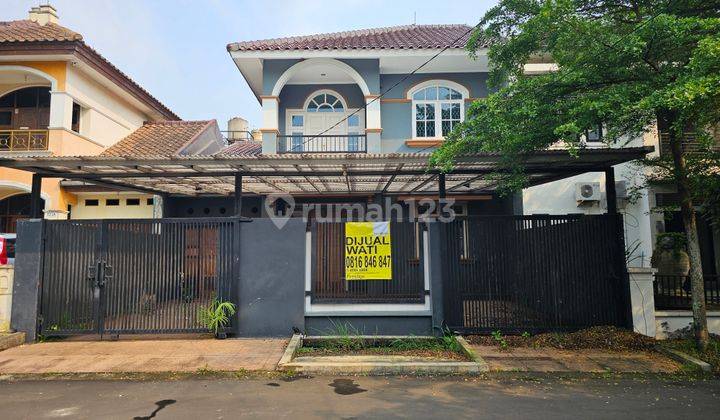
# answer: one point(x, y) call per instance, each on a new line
point(394, 37)
point(28, 31)
point(162, 138)
point(242, 148)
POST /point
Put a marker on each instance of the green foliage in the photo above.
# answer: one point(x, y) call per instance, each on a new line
point(525, 335)
point(620, 63)
point(710, 355)
point(500, 339)
point(674, 241)
point(216, 316)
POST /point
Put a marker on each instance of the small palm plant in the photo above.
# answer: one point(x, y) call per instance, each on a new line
point(216, 316)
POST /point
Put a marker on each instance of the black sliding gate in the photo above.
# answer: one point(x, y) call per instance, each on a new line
point(133, 276)
point(534, 273)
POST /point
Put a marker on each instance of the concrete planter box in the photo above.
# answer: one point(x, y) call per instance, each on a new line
point(376, 365)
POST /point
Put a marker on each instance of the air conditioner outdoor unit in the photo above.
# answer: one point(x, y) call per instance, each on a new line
point(587, 192)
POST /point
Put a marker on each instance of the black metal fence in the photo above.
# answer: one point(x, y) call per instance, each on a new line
point(534, 273)
point(674, 292)
point(133, 276)
point(329, 284)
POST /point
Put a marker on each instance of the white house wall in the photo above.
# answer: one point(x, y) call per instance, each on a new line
point(106, 118)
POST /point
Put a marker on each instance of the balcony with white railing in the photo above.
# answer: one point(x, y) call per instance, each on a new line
point(348, 143)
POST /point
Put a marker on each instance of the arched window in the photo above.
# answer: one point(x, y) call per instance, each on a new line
point(438, 106)
point(25, 108)
point(325, 102)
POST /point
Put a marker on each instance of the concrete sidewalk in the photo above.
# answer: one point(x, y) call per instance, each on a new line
point(143, 356)
point(552, 360)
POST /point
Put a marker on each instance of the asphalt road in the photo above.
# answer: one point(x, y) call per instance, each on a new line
point(362, 397)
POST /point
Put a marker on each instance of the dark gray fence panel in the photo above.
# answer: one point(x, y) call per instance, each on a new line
point(534, 273)
point(134, 276)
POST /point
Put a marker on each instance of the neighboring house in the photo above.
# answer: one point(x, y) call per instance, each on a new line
point(313, 89)
point(156, 139)
point(59, 97)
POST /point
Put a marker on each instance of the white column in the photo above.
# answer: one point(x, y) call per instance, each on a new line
point(642, 299)
point(61, 105)
point(270, 115)
point(373, 124)
point(372, 119)
point(270, 105)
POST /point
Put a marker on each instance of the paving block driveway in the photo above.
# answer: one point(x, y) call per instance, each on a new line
point(143, 356)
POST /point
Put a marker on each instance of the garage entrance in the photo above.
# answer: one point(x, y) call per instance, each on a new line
point(133, 276)
point(535, 273)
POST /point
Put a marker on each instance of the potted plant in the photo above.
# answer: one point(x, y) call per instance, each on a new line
point(669, 256)
point(216, 316)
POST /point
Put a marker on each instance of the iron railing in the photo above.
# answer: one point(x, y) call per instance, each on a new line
point(351, 143)
point(329, 284)
point(534, 273)
point(673, 292)
point(23, 140)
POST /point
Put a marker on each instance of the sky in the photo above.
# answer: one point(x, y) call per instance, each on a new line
point(176, 49)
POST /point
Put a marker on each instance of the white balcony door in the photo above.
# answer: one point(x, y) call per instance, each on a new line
point(325, 115)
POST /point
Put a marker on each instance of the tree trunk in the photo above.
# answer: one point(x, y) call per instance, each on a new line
point(693, 246)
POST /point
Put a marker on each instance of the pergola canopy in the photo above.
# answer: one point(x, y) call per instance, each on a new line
point(314, 174)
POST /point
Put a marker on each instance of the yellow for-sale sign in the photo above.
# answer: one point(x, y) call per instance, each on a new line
point(368, 251)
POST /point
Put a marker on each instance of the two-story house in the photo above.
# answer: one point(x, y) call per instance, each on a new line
point(374, 91)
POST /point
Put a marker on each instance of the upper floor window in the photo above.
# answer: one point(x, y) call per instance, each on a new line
point(438, 106)
point(325, 102)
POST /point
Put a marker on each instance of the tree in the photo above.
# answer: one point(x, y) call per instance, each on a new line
point(624, 64)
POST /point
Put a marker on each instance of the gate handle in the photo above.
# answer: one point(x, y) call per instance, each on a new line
point(92, 271)
point(108, 273)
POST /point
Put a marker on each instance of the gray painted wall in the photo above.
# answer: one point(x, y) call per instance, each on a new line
point(271, 287)
point(26, 283)
point(369, 69)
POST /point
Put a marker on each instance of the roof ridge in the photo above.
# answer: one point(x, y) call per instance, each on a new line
point(178, 122)
point(346, 34)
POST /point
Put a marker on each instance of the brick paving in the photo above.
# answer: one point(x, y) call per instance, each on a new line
point(143, 356)
point(553, 360)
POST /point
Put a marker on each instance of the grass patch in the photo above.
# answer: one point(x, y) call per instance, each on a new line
point(687, 346)
point(344, 339)
point(603, 338)
point(437, 348)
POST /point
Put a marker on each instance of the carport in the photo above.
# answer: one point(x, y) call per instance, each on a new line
point(150, 276)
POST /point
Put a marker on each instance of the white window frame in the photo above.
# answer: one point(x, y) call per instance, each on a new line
point(325, 91)
point(465, 94)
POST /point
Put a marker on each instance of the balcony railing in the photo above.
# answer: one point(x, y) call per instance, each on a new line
point(350, 143)
point(23, 140)
point(673, 292)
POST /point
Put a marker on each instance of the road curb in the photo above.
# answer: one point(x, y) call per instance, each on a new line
point(681, 357)
point(11, 340)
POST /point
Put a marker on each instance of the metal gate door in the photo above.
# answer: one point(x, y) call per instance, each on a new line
point(133, 276)
point(534, 273)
